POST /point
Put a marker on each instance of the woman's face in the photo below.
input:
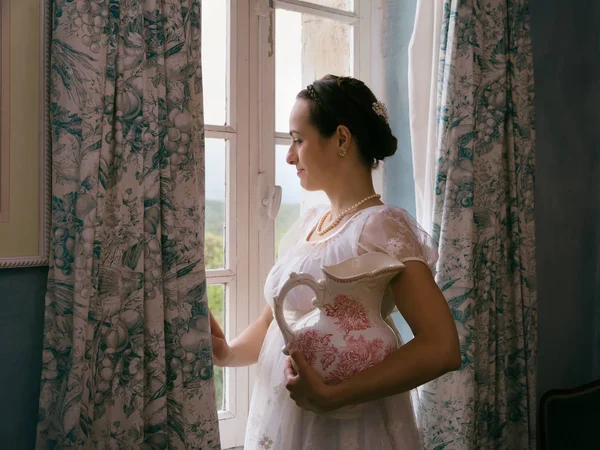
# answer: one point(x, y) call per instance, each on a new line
point(316, 158)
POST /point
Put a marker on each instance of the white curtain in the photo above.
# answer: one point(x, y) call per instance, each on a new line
point(423, 62)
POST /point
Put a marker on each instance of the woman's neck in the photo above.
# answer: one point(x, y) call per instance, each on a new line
point(346, 195)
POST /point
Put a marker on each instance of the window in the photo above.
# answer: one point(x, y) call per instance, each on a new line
point(256, 57)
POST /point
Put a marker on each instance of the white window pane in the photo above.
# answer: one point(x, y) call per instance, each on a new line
point(286, 177)
point(346, 5)
point(214, 61)
point(215, 236)
point(217, 305)
point(306, 48)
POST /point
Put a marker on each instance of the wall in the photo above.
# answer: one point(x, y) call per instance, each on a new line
point(21, 290)
point(596, 341)
point(21, 327)
point(566, 44)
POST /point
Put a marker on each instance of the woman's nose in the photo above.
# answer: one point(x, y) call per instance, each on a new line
point(291, 157)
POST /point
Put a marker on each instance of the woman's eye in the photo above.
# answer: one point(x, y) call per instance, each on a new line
point(297, 141)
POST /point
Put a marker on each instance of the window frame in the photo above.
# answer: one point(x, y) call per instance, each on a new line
point(234, 277)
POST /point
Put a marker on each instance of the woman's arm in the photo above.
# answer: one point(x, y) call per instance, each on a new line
point(434, 351)
point(244, 349)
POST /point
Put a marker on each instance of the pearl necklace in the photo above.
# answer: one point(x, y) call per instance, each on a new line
point(321, 231)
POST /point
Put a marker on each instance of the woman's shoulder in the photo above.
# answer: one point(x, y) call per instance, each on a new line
point(385, 213)
point(388, 220)
point(393, 230)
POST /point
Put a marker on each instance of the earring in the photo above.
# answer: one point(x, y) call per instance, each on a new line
point(342, 151)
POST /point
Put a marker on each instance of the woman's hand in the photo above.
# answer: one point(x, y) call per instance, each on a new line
point(220, 348)
point(307, 388)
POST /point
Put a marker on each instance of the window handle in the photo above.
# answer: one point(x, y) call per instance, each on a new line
point(269, 202)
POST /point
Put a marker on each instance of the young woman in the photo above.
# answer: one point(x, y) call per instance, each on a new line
point(339, 132)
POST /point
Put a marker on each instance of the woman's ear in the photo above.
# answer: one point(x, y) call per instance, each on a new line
point(344, 136)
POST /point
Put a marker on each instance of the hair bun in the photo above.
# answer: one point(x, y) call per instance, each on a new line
point(385, 146)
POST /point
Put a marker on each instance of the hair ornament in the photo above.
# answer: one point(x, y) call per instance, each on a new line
point(381, 110)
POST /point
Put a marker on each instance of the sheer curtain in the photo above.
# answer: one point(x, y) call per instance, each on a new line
point(423, 89)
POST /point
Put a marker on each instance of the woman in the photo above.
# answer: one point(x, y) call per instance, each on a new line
point(339, 133)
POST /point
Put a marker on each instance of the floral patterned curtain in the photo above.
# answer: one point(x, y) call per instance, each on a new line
point(484, 223)
point(127, 358)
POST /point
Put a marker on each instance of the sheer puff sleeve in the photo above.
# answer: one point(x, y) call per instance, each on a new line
point(393, 231)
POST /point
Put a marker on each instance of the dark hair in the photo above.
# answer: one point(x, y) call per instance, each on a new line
point(347, 101)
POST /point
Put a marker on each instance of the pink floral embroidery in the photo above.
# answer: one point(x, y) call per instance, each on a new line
point(313, 342)
point(359, 355)
point(348, 313)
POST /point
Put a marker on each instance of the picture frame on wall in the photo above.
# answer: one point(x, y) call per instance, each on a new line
point(25, 158)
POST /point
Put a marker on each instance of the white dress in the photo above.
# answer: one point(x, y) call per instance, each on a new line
point(275, 422)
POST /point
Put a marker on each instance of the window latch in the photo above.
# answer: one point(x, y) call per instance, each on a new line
point(269, 202)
